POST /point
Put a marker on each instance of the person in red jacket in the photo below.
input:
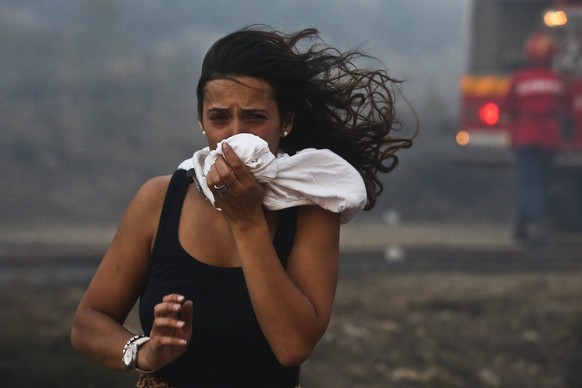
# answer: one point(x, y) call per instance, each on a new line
point(536, 105)
point(571, 216)
point(575, 134)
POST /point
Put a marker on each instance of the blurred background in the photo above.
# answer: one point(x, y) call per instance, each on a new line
point(97, 96)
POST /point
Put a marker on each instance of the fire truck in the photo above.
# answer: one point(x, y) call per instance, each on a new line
point(497, 31)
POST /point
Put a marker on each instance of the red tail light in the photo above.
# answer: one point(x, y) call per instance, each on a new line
point(489, 113)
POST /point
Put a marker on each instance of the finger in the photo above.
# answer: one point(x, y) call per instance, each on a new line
point(213, 177)
point(169, 323)
point(170, 341)
point(169, 308)
point(223, 169)
point(176, 298)
point(231, 159)
point(236, 168)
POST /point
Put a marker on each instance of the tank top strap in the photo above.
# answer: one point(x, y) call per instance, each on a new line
point(167, 235)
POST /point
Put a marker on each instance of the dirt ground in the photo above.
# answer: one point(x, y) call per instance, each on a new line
point(454, 328)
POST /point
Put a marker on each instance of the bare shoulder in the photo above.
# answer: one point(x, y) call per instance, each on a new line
point(145, 209)
point(154, 189)
point(151, 194)
point(123, 270)
point(315, 214)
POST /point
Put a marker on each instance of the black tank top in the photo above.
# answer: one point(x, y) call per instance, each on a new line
point(228, 348)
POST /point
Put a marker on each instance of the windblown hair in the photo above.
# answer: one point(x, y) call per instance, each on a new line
point(334, 104)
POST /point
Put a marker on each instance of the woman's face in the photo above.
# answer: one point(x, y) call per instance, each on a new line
point(242, 105)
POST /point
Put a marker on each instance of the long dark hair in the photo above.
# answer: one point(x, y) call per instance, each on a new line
point(334, 104)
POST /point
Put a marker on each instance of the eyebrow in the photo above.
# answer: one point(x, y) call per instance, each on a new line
point(244, 110)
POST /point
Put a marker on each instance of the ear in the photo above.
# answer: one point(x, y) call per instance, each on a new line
point(287, 125)
point(201, 127)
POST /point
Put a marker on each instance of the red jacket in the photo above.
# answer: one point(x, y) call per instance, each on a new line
point(536, 100)
point(576, 111)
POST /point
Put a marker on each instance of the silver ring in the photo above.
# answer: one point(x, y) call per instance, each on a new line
point(223, 188)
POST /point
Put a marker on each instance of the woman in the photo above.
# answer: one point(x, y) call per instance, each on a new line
point(233, 293)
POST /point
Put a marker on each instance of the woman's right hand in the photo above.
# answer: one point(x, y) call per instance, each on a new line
point(171, 332)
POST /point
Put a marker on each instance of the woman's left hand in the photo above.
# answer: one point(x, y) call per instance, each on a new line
point(241, 196)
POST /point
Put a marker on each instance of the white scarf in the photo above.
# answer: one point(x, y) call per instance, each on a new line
point(310, 177)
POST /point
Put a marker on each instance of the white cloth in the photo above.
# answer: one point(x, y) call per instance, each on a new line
point(310, 177)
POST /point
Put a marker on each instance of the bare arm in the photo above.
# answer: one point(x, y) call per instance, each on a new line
point(293, 306)
point(98, 330)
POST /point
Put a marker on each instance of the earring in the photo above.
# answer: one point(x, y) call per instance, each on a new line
point(285, 134)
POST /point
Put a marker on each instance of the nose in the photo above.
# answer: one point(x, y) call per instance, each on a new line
point(238, 126)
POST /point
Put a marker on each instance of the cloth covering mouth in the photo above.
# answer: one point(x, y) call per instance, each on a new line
point(310, 177)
